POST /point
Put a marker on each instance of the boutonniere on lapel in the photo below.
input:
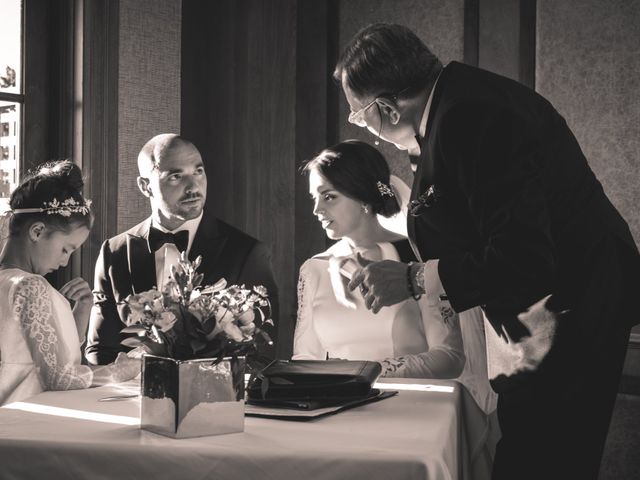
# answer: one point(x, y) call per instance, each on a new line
point(425, 200)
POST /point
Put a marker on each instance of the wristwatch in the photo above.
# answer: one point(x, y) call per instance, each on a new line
point(419, 278)
point(416, 279)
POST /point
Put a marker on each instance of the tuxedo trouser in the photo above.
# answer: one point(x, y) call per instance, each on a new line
point(555, 424)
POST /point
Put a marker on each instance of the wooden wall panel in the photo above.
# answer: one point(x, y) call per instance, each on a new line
point(148, 92)
point(507, 38)
point(48, 100)
point(592, 76)
point(240, 92)
point(317, 119)
point(100, 123)
point(499, 37)
point(37, 54)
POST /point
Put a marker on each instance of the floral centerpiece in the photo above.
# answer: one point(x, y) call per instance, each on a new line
point(195, 339)
point(187, 320)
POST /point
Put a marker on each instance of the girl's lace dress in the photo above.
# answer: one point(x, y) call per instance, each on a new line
point(39, 345)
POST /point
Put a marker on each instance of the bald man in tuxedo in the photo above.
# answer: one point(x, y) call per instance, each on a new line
point(173, 178)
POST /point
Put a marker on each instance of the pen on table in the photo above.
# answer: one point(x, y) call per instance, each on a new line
point(117, 397)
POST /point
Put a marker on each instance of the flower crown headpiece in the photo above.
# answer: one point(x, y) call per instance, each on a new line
point(384, 189)
point(64, 208)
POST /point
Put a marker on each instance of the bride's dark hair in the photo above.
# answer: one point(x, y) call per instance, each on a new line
point(354, 168)
point(58, 181)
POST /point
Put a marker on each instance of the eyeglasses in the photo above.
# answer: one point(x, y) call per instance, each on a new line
point(357, 118)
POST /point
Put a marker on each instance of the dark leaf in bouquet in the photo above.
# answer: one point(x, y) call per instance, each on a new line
point(208, 325)
point(155, 348)
point(132, 342)
point(213, 347)
point(191, 326)
point(197, 280)
point(239, 348)
point(137, 329)
point(182, 350)
point(197, 345)
point(266, 337)
point(172, 335)
point(255, 364)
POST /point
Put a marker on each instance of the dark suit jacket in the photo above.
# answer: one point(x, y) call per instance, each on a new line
point(126, 265)
point(517, 213)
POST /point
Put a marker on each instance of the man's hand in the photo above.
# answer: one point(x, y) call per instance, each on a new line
point(382, 283)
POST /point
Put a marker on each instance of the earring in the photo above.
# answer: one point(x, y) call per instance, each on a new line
point(365, 208)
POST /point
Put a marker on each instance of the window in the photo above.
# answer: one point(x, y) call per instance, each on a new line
point(11, 95)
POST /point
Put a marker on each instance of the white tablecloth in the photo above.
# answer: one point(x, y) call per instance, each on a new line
point(433, 434)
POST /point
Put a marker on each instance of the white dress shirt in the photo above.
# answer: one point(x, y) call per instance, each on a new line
point(168, 254)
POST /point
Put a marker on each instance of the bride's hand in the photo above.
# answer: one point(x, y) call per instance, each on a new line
point(382, 283)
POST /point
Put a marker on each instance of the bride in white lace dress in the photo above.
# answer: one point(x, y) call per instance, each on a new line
point(40, 334)
point(423, 338)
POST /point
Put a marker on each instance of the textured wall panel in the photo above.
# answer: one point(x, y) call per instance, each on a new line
point(239, 107)
point(588, 65)
point(439, 23)
point(149, 91)
point(499, 39)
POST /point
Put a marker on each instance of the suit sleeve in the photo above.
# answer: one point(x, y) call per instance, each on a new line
point(257, 271)
point(491, 155)
point(103, 336)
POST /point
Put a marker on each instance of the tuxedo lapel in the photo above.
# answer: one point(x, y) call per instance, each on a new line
point(141, 261)
point(426, 174)
point(415, 192)
point(208, 242)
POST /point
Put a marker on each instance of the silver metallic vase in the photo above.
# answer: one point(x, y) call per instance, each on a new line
point(192, 398)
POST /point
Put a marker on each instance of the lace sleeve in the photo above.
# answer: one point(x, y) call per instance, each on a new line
point(32, 307)
point(306, 344)
point(445, 357)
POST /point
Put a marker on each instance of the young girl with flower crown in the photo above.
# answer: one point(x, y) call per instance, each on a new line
point(40, 333)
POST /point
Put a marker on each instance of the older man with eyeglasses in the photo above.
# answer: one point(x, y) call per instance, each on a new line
point(507, 215)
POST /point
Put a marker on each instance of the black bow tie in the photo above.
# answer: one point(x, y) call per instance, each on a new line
point(157, 238)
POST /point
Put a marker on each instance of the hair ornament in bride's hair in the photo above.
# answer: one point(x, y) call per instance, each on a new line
point(64, 208)
point(384, 189)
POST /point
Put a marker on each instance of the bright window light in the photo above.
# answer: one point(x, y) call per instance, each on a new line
point(416, 387)
point(70, 413)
